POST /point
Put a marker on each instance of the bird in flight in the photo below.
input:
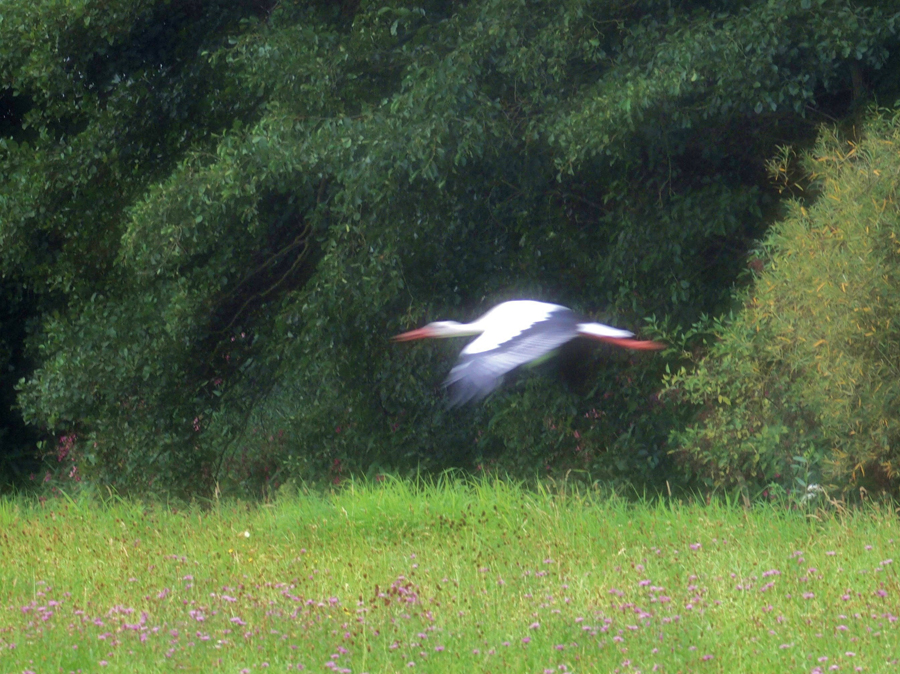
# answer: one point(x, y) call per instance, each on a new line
point(513, 334)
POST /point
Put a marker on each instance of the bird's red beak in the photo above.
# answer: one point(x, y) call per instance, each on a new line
point(421, 333)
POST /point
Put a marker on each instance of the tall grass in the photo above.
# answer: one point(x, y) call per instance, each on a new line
point(450, 576)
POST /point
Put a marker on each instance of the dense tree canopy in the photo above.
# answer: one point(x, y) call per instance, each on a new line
point(213, 214)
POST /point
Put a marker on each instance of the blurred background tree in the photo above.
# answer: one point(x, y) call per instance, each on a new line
point(213, 214)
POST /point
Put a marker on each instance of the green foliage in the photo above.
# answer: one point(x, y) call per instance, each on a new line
point(220, 212)
point(17, 461)
point(803, 383)
point(676, 71)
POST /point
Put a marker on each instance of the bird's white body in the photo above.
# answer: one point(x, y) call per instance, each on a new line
point(512, 334)
point(506, 321)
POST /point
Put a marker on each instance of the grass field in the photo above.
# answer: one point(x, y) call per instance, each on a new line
point(452, 577)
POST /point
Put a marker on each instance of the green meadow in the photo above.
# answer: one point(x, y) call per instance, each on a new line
point(452, 576)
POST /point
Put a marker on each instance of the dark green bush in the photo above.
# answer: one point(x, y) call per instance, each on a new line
point(220, 211)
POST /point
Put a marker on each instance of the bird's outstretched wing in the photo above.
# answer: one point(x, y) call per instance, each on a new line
point(485, 360)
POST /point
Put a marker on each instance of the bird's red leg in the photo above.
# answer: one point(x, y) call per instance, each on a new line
point(634, 344)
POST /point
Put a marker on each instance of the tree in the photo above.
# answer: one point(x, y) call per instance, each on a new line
point(222, 212)
point(803, 383)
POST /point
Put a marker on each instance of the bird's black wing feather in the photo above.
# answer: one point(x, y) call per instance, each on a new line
point(480, 368)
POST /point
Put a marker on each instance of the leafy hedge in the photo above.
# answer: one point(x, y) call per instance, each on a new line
point(804, 380)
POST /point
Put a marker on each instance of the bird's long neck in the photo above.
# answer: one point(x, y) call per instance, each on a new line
point(454, 329)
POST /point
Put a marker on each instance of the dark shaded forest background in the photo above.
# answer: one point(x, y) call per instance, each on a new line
point(213, 215)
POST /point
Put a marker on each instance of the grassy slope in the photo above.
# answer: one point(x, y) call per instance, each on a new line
point(454, 577)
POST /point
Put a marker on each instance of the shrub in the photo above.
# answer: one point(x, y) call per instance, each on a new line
point(803, 381)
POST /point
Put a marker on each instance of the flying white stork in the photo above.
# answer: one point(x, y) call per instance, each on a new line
point(513, 334)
